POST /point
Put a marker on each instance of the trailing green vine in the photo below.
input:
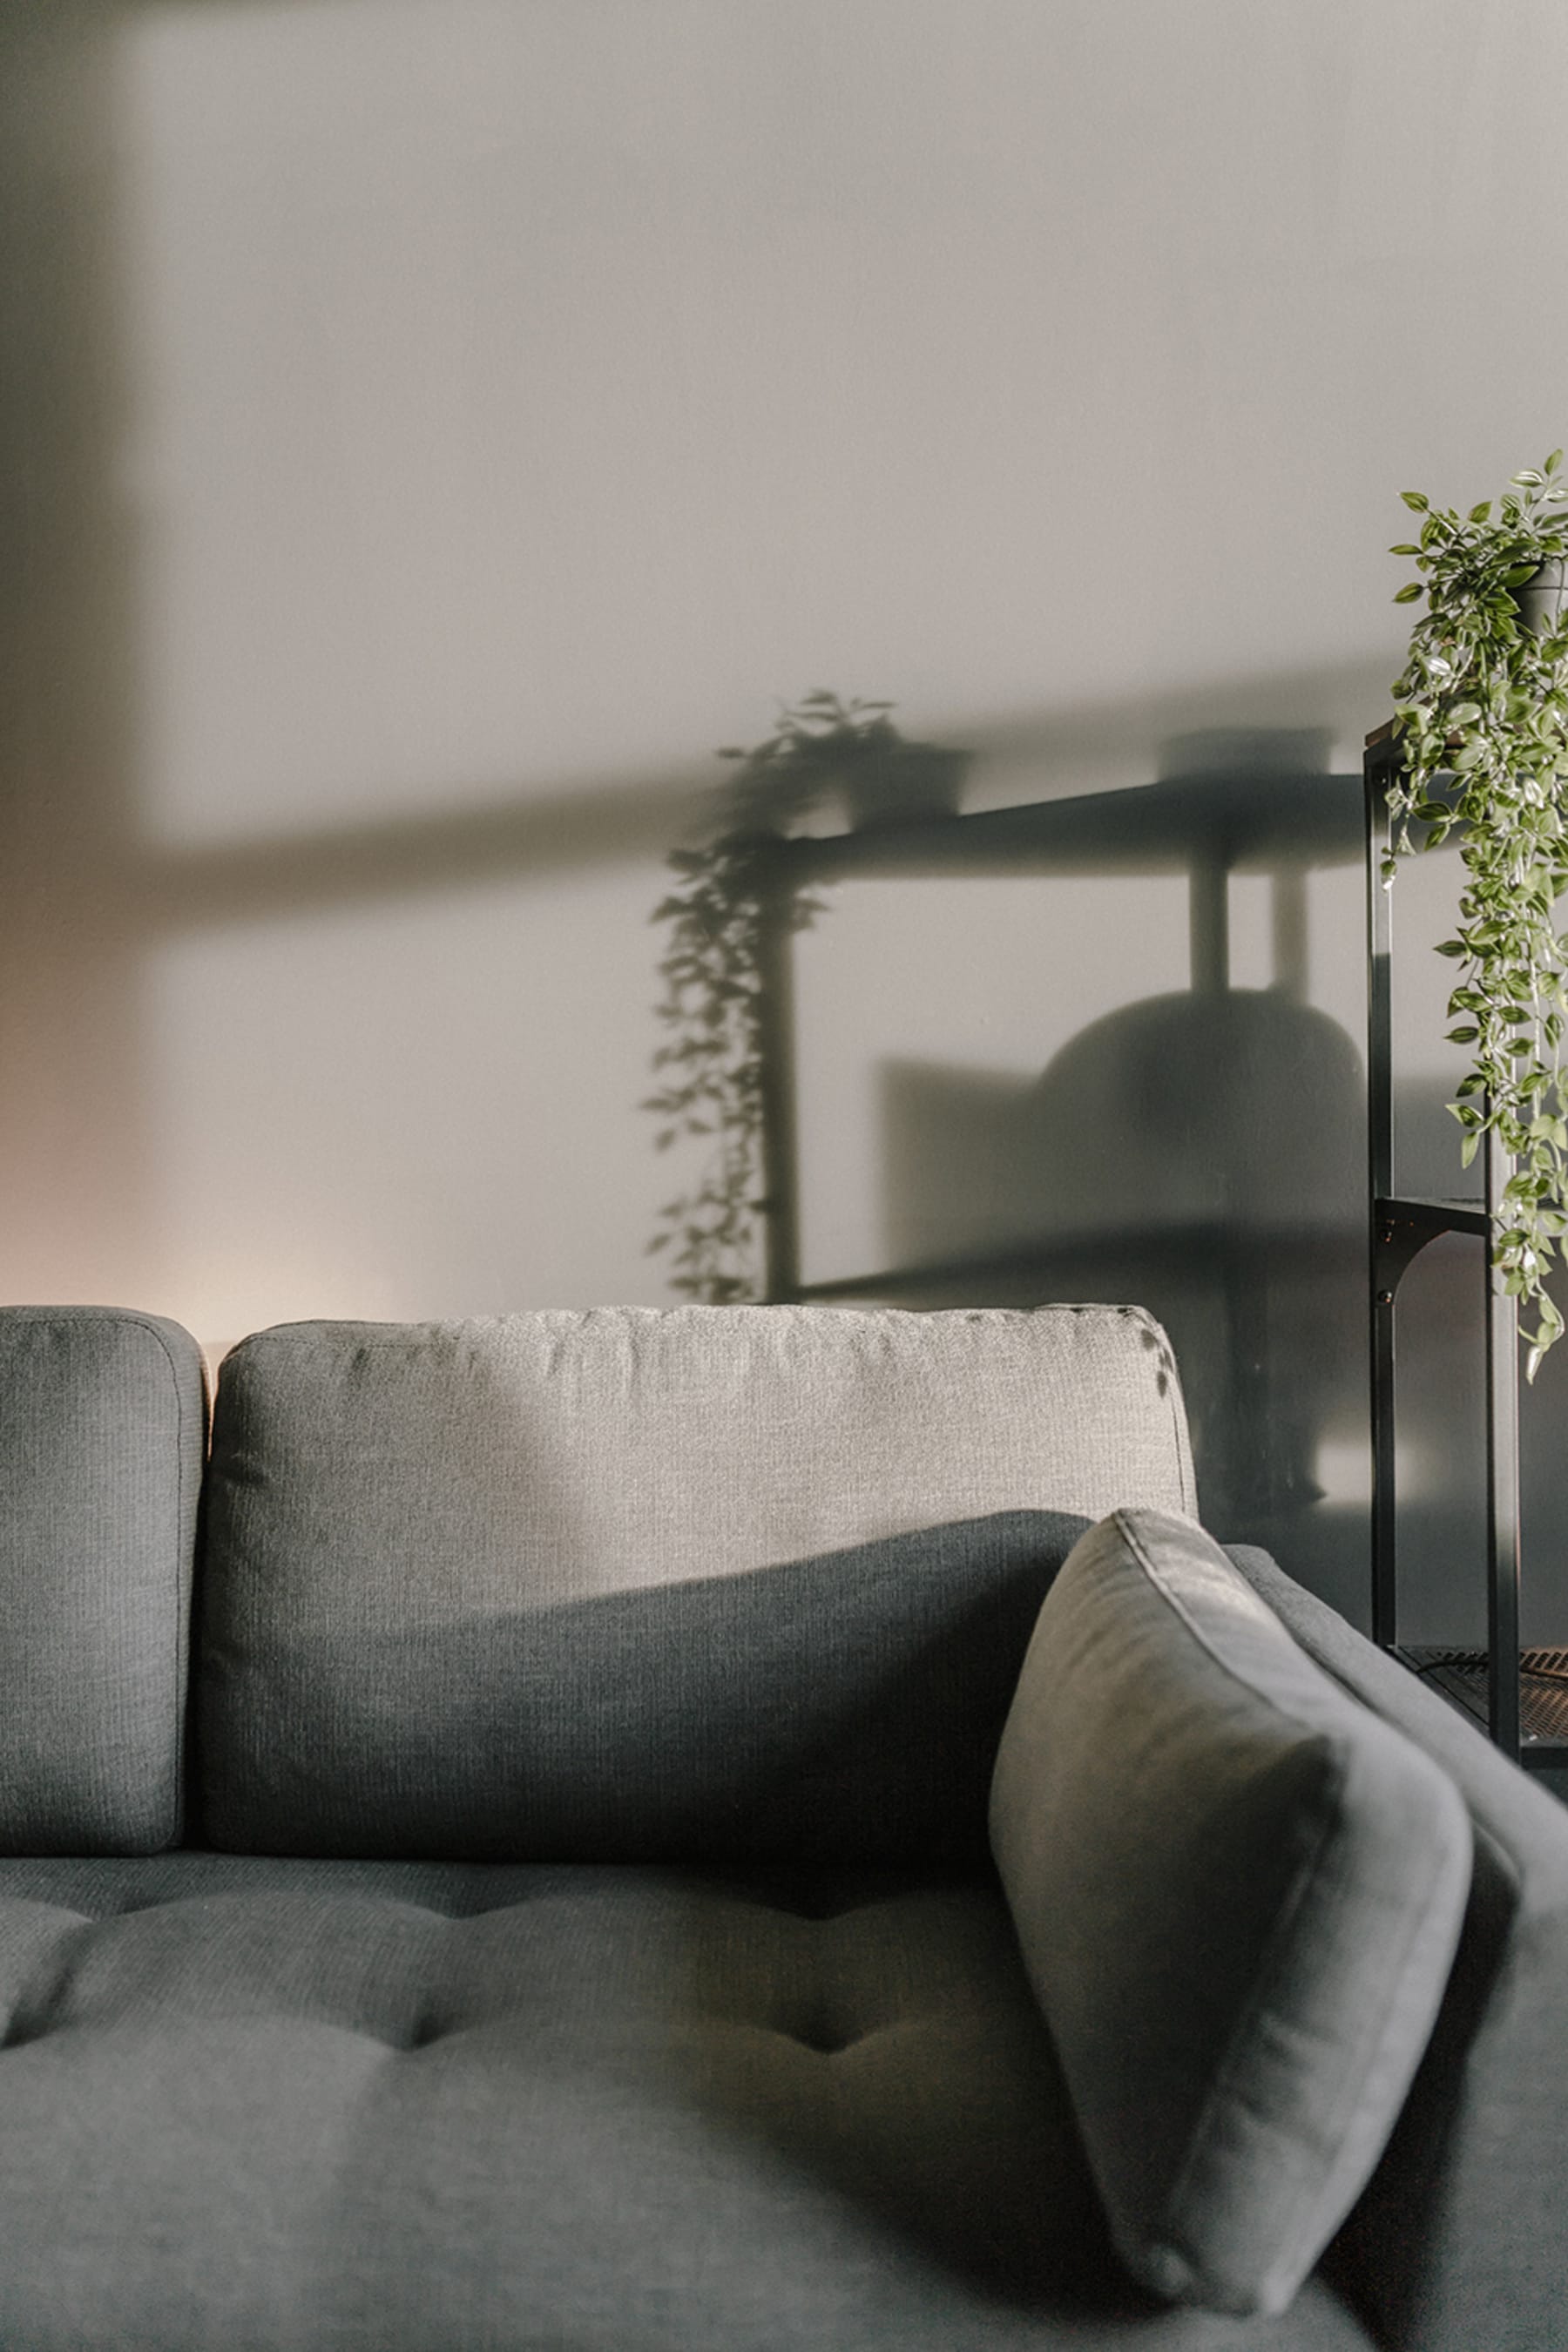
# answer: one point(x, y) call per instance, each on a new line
point(1482, 721)
point(714, 975)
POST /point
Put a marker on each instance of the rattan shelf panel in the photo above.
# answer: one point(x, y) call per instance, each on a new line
point(1462, 1676)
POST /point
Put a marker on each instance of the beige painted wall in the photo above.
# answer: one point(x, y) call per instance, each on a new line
point(430, 426)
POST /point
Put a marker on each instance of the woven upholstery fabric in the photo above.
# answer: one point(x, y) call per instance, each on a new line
point(1238, 1893)
point(1462, 2238)
point(749, 1584)
point(102, 1432)
point(411, 2107)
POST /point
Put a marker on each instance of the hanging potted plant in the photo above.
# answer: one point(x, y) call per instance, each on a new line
point(1482, 723)
point(823, 750)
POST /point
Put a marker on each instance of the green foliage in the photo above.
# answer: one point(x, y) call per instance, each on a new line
point(1483, 727)
point(715, 979)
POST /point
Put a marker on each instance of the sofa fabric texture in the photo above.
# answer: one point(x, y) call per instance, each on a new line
point(102, 1434)
point(407, 2107)
point(746, 2052)
point(1238, 1895)
point(1461, 2238)
point(540, 1588)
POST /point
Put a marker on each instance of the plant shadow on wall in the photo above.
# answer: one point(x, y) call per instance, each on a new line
point(722, 1000)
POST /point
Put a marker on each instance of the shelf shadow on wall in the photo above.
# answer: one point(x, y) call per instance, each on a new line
point(1204, 1147)
point(1199, 1152)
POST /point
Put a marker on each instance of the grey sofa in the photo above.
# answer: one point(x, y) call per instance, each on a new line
point(499, 1856)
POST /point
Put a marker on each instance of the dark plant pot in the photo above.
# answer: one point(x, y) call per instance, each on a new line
point(902, 784)
point(1539, 600)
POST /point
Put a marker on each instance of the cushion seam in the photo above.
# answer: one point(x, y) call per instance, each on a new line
point(175, 1777)
point(1220, 2087)
point(1234, 1674)
point(1371, 2041)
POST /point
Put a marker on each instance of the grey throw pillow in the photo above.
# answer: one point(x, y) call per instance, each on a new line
point(1238, 1895)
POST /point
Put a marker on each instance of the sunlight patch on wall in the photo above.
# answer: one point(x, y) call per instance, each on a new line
point(400, 1113)
point(523, 394)
point(1250, 910)
point(1342, 1468)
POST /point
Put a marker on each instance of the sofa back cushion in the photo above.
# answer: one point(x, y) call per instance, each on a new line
point(712, 1583)
point(103, 1430)
point(1461, 2238)
point(1238, 1893)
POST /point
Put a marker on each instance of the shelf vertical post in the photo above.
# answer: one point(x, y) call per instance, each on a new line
point(1378, 769)
point(1502, 1474)
point(776, 1083)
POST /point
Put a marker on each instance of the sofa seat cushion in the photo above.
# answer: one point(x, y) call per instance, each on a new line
point(284, 2104)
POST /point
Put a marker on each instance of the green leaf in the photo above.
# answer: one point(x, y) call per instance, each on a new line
point(1408, 593)
point(1415, 501)
point(1482, 513)
point(1553, 462)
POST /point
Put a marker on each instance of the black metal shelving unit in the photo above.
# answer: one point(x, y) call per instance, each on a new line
point(1520, 1698)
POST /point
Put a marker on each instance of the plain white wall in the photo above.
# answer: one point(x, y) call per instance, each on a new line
point(432, 426)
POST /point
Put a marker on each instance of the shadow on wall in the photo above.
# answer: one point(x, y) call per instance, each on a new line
point(1182, 1152)
point(1201, 1151)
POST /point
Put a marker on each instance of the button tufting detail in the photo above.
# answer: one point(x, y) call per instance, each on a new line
point(816, 1912)
point(818, 2033)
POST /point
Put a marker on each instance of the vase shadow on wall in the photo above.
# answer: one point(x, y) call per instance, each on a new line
point(1200, 1154)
